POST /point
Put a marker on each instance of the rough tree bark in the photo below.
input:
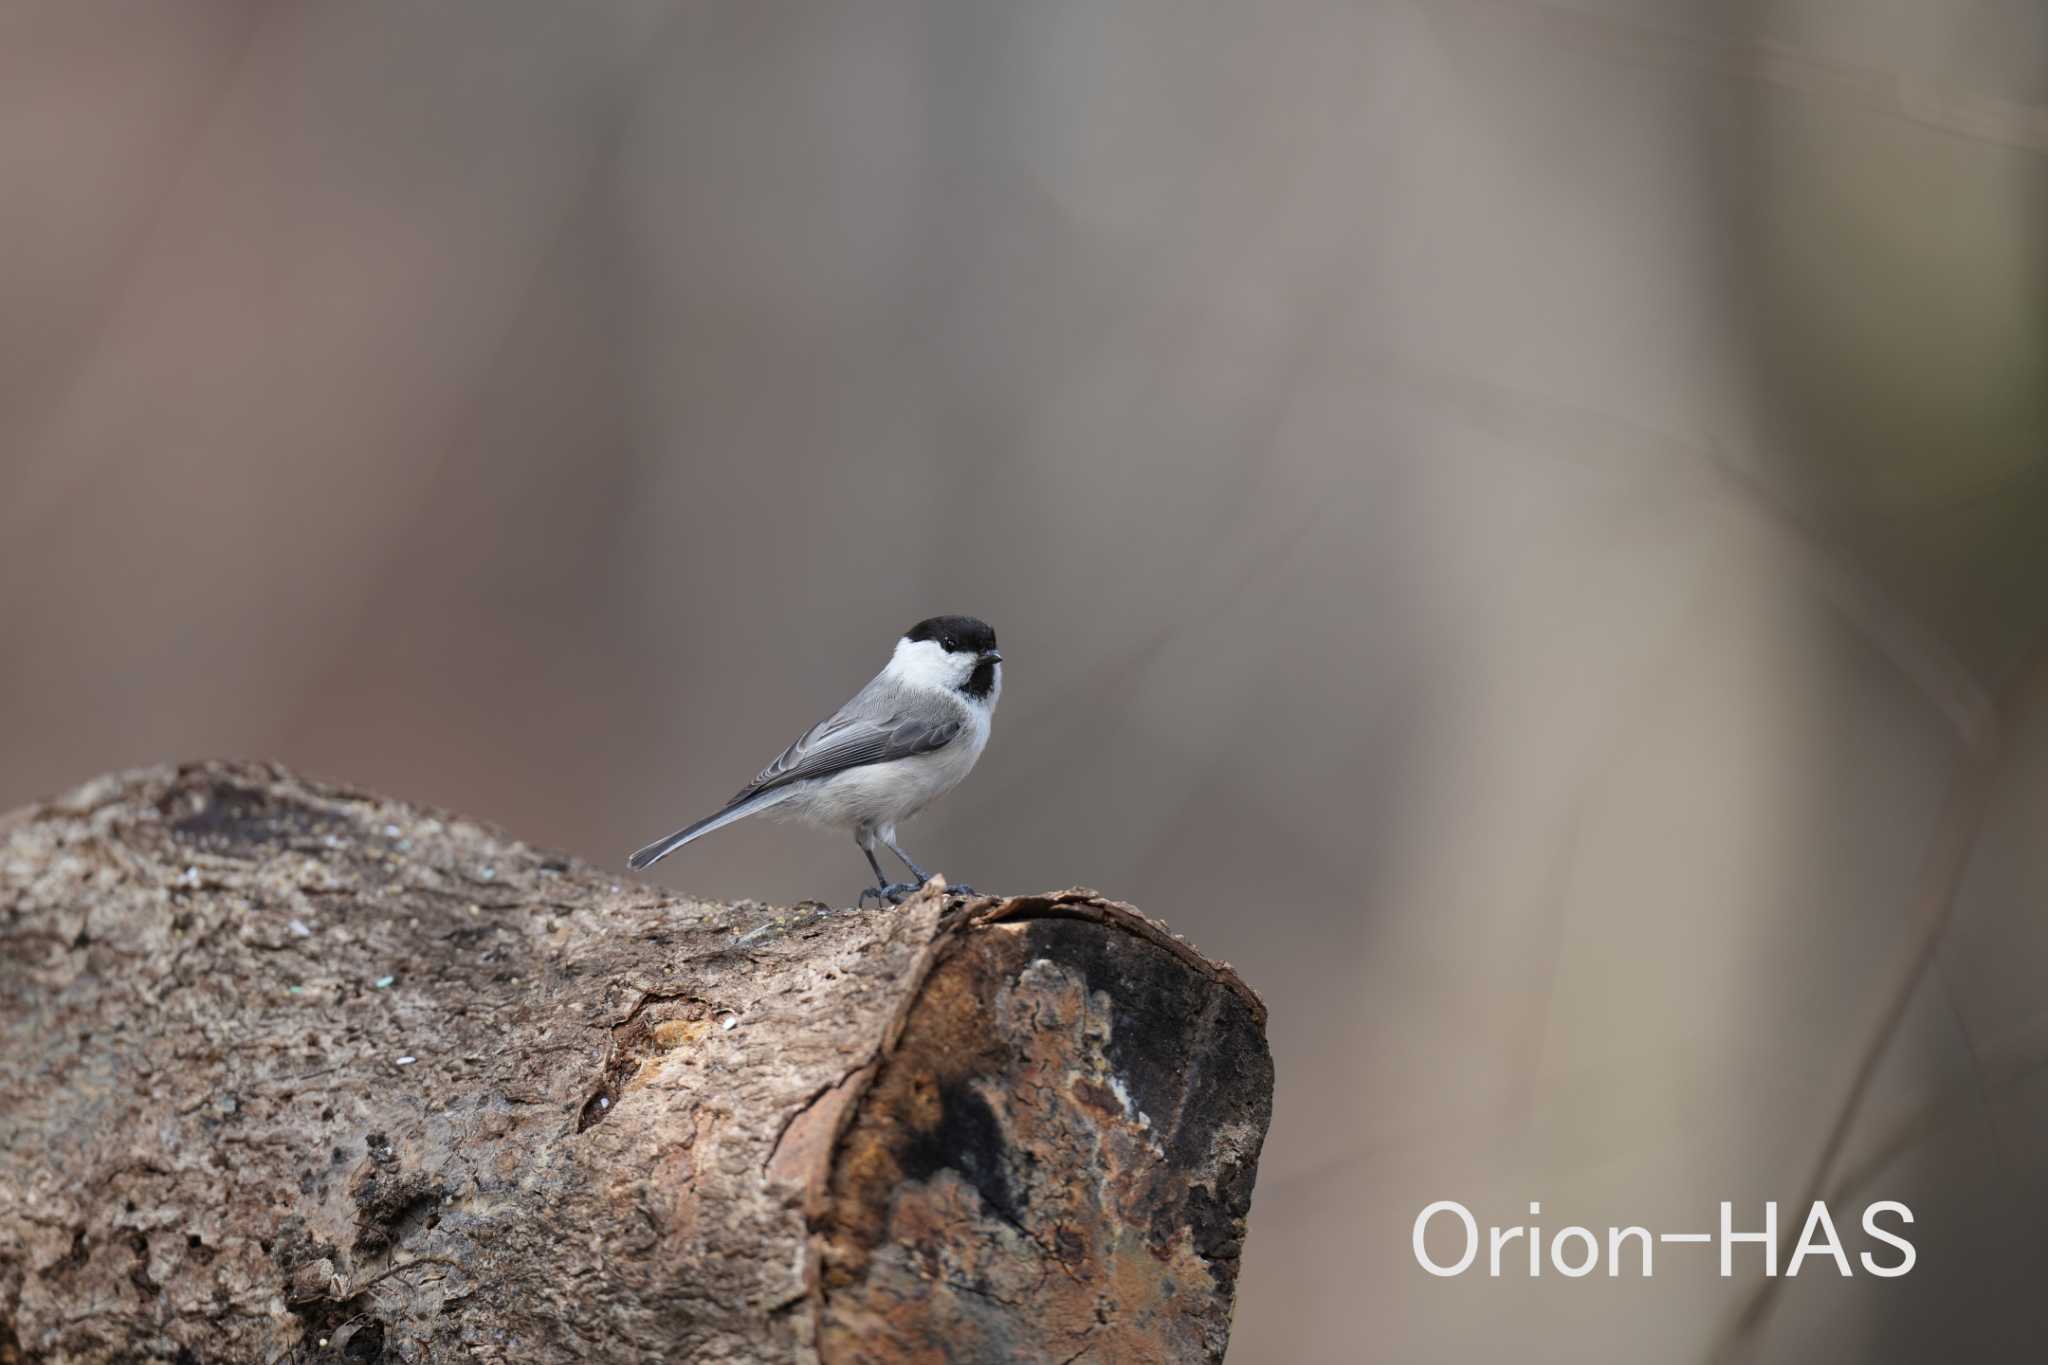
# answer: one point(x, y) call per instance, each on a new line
point(290, 1072)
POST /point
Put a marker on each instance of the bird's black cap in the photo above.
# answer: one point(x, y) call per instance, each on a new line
point(955, 634)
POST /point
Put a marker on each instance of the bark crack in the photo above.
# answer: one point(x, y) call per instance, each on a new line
point(193, 1102)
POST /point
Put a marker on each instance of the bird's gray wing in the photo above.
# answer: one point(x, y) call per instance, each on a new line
point(845, 741)
point(877, 726)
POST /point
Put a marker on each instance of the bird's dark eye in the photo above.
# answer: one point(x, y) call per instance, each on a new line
point(949, 644)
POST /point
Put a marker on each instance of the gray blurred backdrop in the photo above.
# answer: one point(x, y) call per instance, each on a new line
point(1507, 521)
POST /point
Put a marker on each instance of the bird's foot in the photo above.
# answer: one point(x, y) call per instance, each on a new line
point(961, 889)
point(893, 892)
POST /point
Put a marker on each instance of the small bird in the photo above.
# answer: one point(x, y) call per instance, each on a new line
point(905, 740)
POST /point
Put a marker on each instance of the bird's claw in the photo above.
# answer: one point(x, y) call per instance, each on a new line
point(893, 893)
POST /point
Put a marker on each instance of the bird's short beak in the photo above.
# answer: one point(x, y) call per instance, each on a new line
point(991, 656)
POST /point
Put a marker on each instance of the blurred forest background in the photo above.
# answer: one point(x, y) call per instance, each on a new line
point(1520, 525)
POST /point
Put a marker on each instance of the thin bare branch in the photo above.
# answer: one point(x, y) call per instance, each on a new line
point(1956, 833)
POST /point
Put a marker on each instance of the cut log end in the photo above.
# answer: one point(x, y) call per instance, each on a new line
point(289, 1064)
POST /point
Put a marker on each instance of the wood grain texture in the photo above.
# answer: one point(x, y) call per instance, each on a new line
point(290, 1072)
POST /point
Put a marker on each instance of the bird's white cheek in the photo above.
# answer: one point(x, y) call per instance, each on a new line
point(922, 663)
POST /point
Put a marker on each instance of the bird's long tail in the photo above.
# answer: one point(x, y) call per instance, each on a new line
point(738, 810)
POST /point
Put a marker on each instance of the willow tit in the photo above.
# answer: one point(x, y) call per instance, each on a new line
point(905, 740)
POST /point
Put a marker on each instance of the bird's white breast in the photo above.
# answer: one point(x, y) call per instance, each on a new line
point(882, 794)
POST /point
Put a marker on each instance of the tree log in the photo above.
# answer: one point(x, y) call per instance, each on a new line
point(290, 1072)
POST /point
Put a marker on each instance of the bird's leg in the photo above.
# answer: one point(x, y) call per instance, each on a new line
point(918, 872)
point(915, 871)
point(883, 889)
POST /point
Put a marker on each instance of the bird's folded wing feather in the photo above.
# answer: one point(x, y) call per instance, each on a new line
point(840, 743)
